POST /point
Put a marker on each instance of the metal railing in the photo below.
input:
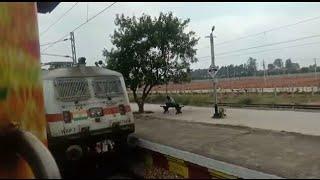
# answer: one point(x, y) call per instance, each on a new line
point(273, 106)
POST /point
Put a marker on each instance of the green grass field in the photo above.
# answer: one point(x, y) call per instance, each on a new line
point(196, 99)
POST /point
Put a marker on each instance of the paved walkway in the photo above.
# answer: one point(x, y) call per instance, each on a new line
point(279, 120)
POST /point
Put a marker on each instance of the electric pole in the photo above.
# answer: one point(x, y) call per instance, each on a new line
point(315, 68)
point(166, 78)
point(73, 48)
point(212, 72)
point(228, 72)
point(264, 72)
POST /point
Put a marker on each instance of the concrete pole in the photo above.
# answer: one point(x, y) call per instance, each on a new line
point(315, 68)
point(264, 74)
point(315, 73)
point(216, 113)
point(73, 48)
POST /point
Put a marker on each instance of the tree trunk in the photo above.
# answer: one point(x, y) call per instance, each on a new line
point(141, 107)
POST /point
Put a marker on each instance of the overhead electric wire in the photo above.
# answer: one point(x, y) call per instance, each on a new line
point(203, 57)
point(270, 44)
point(269, 30)
point(94, 16)
point(266, 50)
point(83, 23)
point(54, 42)
point(64, 14)
point(58, 55)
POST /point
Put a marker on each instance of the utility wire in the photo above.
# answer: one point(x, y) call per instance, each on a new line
point(270, 44)
point(83, 23)
point(54, 42)
point(203, 57)
point(306, 44)
point(257, 52)
point(272, 29)
point(95, 16)
point(64, 14)
point(58, 55)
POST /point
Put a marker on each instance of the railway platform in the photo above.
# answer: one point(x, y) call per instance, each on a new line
point(278, 153)
point(279, 120)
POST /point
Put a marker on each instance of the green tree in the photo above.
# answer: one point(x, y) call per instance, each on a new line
point(288, 64)
point(252, 66)
point(278, 63)
point(151, 51)
point(304, 70)
point(291, 67)
point(295, 66)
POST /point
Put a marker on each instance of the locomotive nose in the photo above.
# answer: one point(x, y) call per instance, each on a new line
point(74, 152)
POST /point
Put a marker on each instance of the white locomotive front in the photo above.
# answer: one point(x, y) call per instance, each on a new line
point(85, 105)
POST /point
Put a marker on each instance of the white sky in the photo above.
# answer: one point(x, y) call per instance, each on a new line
point(232, 20)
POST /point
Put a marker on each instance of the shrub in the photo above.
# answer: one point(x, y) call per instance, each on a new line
point(245, 100)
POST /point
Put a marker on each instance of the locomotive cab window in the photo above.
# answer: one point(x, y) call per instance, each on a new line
point(107, 87)
point(72, 89)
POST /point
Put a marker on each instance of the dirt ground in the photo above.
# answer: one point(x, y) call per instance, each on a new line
point(288, 155)
point(249, 82)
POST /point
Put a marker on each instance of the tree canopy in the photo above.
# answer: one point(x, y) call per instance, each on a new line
point(278, 63)
point(151, 51)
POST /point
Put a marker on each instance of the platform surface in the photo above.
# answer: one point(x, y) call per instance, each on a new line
point(285, 154)
point(279, 120)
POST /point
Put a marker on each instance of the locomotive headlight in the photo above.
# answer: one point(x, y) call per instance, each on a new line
point(74, 152)
point(122, 109)
point(96, 112)
point(66, 116)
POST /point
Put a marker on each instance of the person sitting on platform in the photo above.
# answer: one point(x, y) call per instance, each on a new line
point(171, 102)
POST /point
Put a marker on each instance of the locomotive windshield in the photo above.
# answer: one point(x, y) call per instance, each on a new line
point(72, 89)
point(107, 86)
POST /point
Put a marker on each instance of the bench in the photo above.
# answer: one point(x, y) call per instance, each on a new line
point(166, 108)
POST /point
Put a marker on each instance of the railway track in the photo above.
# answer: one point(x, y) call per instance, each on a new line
point(274, 106)
point(115, 164)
